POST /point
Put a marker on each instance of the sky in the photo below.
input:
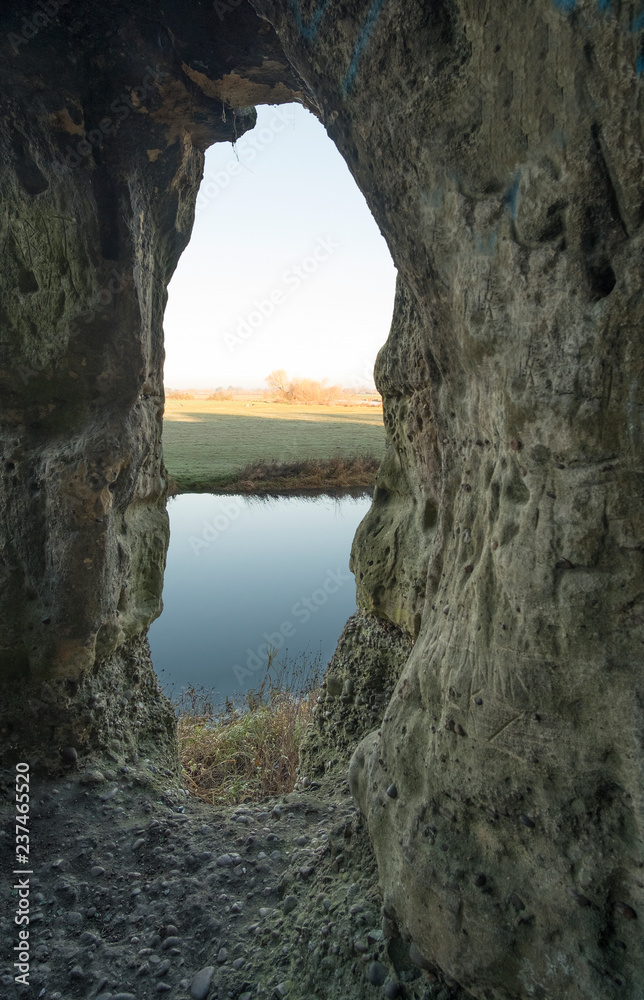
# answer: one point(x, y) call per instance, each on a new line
point(286, 267)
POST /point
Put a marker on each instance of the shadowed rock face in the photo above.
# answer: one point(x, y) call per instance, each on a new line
point(499, 147)
point(102, 133)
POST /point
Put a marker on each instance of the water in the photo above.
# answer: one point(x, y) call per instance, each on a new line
point(244, 574)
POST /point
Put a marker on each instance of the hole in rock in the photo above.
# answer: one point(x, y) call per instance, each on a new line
point(286, 273)
point(602, 280)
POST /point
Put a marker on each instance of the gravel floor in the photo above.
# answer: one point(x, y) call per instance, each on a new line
point(138, 894)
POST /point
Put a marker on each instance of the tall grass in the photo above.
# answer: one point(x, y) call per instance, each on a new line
point(247, 750)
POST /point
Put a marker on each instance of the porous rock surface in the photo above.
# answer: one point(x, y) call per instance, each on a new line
point(499, 147)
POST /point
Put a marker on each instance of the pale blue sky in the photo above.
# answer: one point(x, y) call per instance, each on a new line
point(286, 267)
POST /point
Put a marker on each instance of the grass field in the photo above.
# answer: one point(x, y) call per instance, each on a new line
point(207, 443)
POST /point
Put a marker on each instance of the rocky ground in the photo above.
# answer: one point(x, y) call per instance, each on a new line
point(140, 892)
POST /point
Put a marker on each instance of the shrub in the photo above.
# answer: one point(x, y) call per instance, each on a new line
point(301, 390)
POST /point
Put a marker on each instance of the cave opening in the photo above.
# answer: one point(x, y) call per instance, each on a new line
point(484, 709)
point(286, 272)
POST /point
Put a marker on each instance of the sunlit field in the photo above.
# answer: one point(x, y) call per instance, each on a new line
point(207, 442)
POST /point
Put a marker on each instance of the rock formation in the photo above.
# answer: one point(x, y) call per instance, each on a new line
point(103, 133)
point(499, 147)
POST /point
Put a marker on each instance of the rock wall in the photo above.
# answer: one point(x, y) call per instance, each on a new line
point(499, 147)
point(102, 133)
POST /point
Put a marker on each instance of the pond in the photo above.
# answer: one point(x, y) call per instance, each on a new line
point(248, 575)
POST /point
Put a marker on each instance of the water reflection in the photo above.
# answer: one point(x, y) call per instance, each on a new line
point(245, 574)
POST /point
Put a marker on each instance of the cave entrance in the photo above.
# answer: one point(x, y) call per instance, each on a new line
point(275, 315)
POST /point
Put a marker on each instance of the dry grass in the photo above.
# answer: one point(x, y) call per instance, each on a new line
point(244, 754)
point(311, 475)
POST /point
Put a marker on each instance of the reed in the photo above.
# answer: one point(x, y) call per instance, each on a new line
point(247, 749)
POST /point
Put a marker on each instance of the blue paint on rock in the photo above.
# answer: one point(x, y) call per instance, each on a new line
point(511, 195)
point(565, 6)
point(361, 44)
point(310, 30)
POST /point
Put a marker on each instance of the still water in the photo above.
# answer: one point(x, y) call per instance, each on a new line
point(247, 574)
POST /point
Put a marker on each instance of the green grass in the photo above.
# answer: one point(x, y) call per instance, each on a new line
point(207, 443)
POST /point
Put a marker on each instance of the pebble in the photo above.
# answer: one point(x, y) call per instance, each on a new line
point(69, 754)
point(392, 792)
point(222, 955)
point(377, 974)
point(93, 778)
point(226, 860)
point(200, 984)
point(96, 871)
point(290, 902)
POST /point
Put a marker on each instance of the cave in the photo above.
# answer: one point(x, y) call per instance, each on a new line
point(499, 571)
